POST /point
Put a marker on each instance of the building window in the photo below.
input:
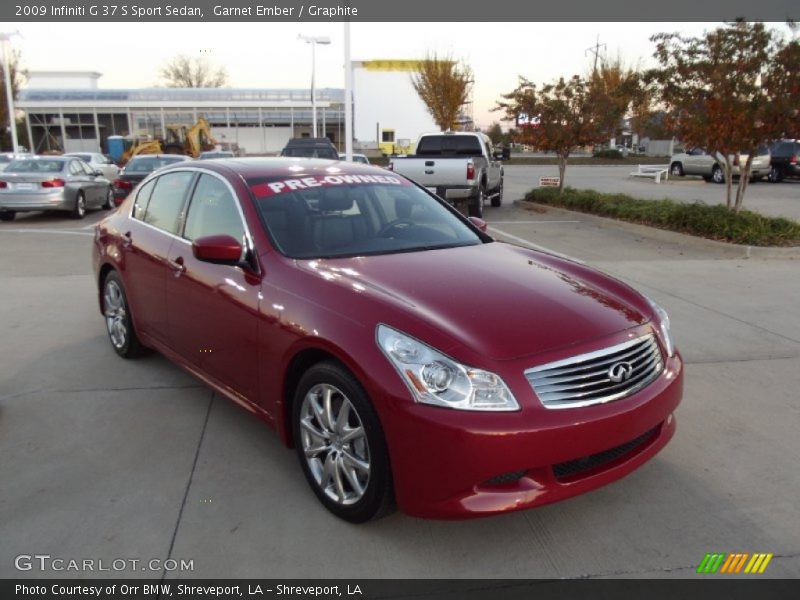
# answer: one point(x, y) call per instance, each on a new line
point(387, 136)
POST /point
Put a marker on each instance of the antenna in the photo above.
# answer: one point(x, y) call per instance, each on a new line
point(596, 51)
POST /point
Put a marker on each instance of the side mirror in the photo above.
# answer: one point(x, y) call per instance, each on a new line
point(479, 223)
point(220, 249)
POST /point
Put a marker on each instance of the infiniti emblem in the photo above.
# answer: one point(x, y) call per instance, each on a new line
point(620, 371)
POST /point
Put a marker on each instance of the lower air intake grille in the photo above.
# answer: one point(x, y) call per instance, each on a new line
point(567, 470)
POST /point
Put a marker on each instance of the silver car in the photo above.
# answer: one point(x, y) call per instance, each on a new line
point(44, 183)
point(98, 162)
point(709, 166)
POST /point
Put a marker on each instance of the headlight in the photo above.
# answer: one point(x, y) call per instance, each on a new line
point(663, 327)
point(433, 378)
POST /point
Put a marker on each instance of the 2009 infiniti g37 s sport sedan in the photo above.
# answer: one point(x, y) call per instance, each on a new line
point(409, 358)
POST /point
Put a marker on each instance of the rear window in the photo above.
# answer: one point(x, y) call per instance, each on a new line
point(311, 152)
point(85, 157)
point(166, 201)
point(148, 164)
point(443, 145)
point(36, 166)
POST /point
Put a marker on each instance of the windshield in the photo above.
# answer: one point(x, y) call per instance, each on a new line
point(36, 166)
point(323, 217)
point(150, 163)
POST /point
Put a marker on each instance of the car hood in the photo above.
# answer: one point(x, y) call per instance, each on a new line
point(498, 300)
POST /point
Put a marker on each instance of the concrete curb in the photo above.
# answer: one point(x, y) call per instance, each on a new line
point(734, 250)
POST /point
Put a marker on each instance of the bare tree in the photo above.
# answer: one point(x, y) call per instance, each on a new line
point(192, 72)
point(444, 86)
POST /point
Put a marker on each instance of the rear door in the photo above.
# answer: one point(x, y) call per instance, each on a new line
point(213, 308)
point(156, 218)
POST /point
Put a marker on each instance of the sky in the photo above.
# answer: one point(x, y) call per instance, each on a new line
point(269, 55)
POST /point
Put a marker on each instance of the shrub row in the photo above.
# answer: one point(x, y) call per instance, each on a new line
point(709, 221)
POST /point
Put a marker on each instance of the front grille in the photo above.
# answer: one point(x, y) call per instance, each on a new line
point(567, 470)
point(588, 379)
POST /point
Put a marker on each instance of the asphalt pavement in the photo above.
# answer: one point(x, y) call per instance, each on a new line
point(113, 459)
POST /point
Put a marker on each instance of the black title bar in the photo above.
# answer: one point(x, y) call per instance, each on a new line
point(107, 11)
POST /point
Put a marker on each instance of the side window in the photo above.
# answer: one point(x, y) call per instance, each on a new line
point(142, 198)
point(75, 168)
point(166, 200)
point(213, 211)
point(87, 169)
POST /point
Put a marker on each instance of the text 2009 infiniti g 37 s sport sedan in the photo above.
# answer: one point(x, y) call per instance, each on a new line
point(407, 356)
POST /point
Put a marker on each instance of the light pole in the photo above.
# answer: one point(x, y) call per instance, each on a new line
point(348, 96)
point(5, 38)
point(314, 40)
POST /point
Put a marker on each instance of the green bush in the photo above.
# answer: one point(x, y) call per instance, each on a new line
point(615, 154)
point(709, 221)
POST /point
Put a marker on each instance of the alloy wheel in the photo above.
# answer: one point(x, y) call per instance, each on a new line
point(115, 313)
point(334, 444)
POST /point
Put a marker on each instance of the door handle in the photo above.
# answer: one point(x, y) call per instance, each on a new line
point(177, 266)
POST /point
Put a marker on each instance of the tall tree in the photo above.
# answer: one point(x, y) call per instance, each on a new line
point(613, 87)
point(567, 118)
point(444, 85)
point(721, 92)
point(192, 72)
point(495, 133)
point(17, 77)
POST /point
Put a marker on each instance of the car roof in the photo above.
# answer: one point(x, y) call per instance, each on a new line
point(181, 156)
point(287, 167)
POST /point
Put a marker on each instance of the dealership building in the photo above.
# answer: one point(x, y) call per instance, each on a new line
point(69, 111)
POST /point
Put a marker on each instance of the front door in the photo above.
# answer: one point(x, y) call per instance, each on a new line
point(213, 308)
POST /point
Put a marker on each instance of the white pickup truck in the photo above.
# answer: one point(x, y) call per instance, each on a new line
point(461, 167)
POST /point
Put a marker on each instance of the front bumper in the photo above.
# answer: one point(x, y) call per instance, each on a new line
point(457, 464)
point(55, 200)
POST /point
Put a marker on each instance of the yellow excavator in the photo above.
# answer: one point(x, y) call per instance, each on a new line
point(180, 140)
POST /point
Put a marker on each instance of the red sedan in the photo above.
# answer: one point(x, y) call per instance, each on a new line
point(409, 358)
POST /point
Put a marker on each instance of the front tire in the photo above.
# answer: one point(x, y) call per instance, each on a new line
point(8, 215)
point(119, 323)
point(340, 444)
point(775, 175)
point(79, 210)
point(717, 176)
point(676, 169)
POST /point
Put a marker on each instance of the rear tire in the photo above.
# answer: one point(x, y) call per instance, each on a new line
point(342, 451)
point(119, 322)
point(8, 215)
point(775, 175)
point(676, 169)
point(109, 203)
point(79, 210)
point(497, 199)
point(717, 176)
point(476, 204)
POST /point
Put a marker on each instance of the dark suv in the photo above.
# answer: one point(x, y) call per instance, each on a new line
point(311, 148)
point(785, 160)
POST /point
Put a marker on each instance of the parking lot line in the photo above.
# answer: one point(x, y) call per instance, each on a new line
point(58, 231)
point(528, 222)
